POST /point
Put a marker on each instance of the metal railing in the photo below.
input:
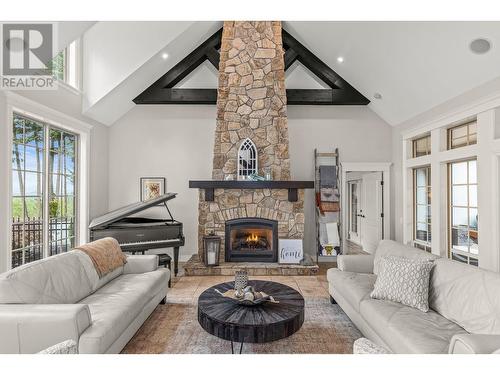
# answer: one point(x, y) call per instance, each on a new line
point(27, 238)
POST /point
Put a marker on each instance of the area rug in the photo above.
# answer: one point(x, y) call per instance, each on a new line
point(173, 328)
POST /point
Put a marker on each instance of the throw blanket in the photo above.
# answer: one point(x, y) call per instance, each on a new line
point(106, 255)
point(328, 176)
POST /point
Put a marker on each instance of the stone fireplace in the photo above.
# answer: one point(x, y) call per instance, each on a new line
point(251, 110)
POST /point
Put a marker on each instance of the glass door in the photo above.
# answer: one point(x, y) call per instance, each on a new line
point(354, 210)
point(44, 195)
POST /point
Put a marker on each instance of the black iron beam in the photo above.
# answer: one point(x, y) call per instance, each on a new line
point(213, 56)
point(178, 96)
point(163, 91)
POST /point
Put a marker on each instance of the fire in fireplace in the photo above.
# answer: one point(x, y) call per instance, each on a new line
point(251, 240)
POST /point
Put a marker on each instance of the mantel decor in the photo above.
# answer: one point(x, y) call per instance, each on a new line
point(210, 185)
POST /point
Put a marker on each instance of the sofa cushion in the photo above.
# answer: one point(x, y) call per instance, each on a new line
point(466, 295)
point(115, 306)
point(403, 280)
point(354, 287)
point(408, 330)
point(63, 278)
point(389, 247)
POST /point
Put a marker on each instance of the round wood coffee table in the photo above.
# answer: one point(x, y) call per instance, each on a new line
point(224, 318)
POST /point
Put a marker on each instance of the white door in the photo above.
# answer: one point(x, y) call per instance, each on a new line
point(354, 210)
point(372, 211)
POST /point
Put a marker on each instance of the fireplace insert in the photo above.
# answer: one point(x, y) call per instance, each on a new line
point(251, 240)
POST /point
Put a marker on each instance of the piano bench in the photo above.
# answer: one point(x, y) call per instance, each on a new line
point(165, 260)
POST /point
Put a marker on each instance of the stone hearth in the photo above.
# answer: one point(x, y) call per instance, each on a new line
point(194, 267)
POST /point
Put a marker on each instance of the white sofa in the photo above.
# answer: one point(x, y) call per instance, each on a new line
point(464, 302)
point(61, 297)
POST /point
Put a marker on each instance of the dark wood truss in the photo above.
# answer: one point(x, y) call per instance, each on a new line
point(163, 91)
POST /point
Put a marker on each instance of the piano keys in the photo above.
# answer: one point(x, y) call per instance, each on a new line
point(139, 234)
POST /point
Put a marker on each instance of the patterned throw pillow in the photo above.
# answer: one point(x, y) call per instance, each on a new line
point(405, 281)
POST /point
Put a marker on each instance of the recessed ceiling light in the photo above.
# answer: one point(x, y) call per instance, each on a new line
point(164, 56)
point(377, 95)
point(340, 59)
point(480, 46)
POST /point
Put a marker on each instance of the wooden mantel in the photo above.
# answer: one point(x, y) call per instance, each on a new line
point(210, 185)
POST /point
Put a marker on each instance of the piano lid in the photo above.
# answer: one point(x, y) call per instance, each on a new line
point(131, 209)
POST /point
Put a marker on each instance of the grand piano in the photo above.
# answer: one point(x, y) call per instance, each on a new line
point(138, 234)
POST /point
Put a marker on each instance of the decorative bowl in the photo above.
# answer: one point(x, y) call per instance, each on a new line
point(261, 297)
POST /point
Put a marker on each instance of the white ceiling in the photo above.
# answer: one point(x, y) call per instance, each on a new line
point(415, 66)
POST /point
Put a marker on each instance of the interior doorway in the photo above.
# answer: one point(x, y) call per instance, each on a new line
point(365, 209)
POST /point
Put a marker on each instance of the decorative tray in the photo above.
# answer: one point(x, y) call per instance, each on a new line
point(247, 297)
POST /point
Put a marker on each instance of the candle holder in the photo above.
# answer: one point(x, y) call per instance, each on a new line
point(211, 249)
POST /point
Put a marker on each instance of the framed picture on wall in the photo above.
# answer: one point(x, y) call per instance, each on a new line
point(152, 187)
point(290, 251)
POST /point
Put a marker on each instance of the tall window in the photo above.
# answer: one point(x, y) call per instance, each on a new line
point(462, 135)
point(463, 232)
point(65, 65)
point(421, 146)
point(422, 208)
point(28, 155)
point(43, 199)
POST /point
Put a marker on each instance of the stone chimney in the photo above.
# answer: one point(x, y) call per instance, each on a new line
point(251, 99)
point(251, 103)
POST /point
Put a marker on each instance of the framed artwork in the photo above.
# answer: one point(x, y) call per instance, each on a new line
point(152, 187)
point(290, 251)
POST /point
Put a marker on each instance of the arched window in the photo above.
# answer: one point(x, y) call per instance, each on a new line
point(247, 159)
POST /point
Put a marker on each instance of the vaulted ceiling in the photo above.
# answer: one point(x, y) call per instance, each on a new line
point(414, 66)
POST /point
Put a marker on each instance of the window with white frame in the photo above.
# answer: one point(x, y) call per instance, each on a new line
point(462, 135)
point(421, 146)
point(65, 65)
point(463, 214)
point(44, 195)
point(247, 159)
point(422, 208)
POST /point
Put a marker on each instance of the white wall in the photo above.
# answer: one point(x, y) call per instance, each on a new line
point(113, 50)
point(177, 142)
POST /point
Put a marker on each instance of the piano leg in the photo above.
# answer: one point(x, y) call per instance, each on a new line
point(176, 260)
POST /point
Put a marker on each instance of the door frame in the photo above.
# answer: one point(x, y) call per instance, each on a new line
point(385, 169)
point(349, 184)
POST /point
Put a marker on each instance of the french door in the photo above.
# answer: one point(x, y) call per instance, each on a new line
point(44, 194)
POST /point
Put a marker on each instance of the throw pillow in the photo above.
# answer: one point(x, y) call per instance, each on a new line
point(405, 281)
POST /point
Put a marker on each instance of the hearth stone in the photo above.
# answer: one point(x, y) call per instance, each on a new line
point(194, 267)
